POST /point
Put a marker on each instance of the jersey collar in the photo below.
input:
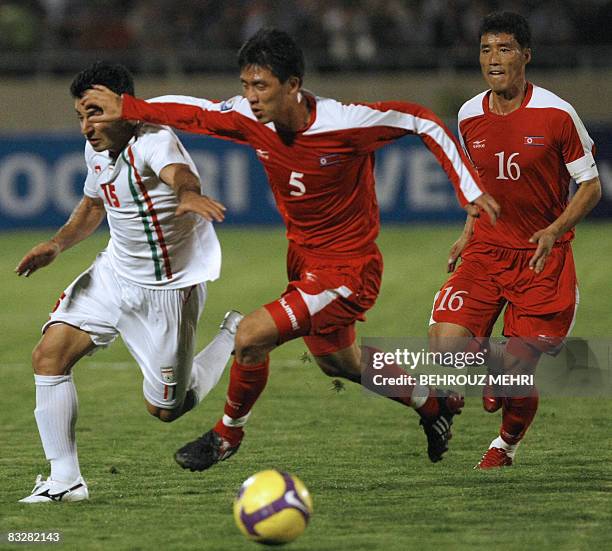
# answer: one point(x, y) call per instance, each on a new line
point(312, 106)
point(526, 99)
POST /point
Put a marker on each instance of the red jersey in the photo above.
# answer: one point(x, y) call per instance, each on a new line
point(322, 176)
point(525, 161)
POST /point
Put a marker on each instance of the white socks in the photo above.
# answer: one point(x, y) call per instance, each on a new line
point(419, 396)
point(499, 442)
point(209, 364)
point(56, 414)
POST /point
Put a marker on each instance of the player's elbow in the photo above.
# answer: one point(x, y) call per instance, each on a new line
point(593, 189)
point(597, 193)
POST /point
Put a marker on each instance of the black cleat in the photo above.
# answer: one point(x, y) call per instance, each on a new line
point(438, 428)
point(203, 453)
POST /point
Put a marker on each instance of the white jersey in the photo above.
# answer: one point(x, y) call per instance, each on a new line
point(149, 245)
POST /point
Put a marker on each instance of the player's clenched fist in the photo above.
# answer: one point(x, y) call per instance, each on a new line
point(41, 255)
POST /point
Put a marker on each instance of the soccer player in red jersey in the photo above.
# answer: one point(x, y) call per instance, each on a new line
point(526, 143)
point(319, 158)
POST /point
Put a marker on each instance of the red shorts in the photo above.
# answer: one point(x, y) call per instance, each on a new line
point(325, 296)
point(539, 307)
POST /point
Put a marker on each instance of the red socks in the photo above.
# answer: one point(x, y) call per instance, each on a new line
point(246, 384)
point(517, 415)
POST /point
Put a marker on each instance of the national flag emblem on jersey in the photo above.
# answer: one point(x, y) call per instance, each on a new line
point(97, 169)
point(537, 141)
point(331, 159)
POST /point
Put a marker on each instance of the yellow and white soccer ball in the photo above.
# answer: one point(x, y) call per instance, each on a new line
point(272, 507)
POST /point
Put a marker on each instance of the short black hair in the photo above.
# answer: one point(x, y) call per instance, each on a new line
point(275, 50)
point(507, 22)
point(114, 76)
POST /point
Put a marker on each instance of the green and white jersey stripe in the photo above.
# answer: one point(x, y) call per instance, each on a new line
point(149, 245)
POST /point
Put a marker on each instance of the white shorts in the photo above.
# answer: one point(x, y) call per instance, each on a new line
point(158, 326)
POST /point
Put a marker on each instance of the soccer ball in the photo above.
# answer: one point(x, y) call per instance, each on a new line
point(272, 507)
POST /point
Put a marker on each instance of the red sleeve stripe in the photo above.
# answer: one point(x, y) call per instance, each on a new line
point(334, 116)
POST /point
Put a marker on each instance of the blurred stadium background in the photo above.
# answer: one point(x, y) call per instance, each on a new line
point(367, 495)
point(414, 50)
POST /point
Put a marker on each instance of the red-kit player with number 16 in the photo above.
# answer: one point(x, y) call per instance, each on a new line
point(526, 144)
point(319, 158)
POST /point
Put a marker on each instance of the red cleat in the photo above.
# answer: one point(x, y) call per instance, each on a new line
point(494, 457)
point(490, 402)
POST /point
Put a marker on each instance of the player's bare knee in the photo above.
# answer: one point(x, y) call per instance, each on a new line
point(165, 415)
point(250, 346)
point(46, 363)
point(443, 339)
point(169, 415)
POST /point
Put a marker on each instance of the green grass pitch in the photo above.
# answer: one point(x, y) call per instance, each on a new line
point(362, 457)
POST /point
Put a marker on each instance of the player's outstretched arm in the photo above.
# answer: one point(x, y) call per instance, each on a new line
point(84, 220)
point(187, 187)
point(583, 202)
point(197, 115)
point(458, 246)
point(437, 137)
point(105, 99)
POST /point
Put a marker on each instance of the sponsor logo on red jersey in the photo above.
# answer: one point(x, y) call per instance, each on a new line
point(479, 144)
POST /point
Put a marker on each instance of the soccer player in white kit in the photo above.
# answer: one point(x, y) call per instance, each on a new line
point(148, 285)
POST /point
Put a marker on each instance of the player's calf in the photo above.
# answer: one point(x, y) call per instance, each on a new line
point(345, 363)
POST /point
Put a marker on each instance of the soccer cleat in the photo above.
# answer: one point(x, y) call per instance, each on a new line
point(204, 452)
point(490, 402)
point(493, 458)
point(231, 321)
point(52, 491)
point(438, 428)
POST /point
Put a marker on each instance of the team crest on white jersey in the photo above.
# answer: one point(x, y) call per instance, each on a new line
point(479, 144)
point(167, 374)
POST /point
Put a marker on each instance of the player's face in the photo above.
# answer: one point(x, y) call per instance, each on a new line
point(503, 61)
point(102, 136)
point(270, 100)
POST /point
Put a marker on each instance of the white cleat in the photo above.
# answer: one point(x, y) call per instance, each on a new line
point(52, 491)
point(231, 321)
